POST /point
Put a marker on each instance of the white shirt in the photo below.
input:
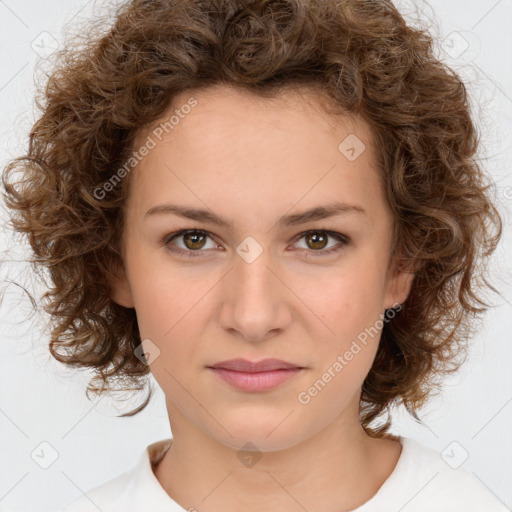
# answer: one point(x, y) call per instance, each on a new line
point(421, 482)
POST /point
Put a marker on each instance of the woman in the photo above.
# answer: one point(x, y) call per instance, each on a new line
point(274, 208)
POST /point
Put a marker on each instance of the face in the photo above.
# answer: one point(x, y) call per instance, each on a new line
point(258, 286)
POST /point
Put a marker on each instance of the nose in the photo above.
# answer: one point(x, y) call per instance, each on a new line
point(257, 304)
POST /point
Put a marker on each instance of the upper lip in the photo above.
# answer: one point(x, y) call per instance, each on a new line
point(243, 365)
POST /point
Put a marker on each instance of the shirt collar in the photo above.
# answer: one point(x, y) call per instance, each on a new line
point(144, 491)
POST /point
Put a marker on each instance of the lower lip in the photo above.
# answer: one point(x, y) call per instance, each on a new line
point(256, 381)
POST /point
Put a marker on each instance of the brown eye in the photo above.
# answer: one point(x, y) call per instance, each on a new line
point(191, 242)
point(316, 240)
point(194, 240)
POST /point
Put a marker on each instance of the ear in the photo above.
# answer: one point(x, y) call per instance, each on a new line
point(399, 284)
point(121, 292)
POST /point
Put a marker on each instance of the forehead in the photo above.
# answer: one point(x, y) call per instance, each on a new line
point(229, 109)
point(244, 151)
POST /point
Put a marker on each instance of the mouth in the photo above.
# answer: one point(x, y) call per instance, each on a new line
point(255, 376)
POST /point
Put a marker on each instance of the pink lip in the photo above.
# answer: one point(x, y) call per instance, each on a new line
point(260, 376)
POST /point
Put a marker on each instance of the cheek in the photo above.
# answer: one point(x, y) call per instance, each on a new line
point(170, 313)
point(173, 325)
point(161, 292)
point(344, 352)
point(347, 301)
point(167, 306)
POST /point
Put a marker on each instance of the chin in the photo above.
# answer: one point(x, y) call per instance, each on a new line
point(267, 432)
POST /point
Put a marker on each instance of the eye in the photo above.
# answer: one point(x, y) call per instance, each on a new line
point(192, 238)
point(317, 240)
point(194, 241)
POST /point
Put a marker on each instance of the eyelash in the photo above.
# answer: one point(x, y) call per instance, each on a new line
point(343, 239)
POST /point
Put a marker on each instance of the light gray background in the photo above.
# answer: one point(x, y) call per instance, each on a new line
point(42, 402)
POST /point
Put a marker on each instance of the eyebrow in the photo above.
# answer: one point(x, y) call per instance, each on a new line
point(316, 213)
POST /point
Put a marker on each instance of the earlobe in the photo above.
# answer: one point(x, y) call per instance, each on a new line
point(120, 289)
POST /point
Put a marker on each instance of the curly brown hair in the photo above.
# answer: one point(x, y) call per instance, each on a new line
point(368, 62)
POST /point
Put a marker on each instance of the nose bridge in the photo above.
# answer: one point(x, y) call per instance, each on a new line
point(254, 300)
point(254, 280)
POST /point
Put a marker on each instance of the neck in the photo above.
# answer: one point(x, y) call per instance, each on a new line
point(336, 469)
